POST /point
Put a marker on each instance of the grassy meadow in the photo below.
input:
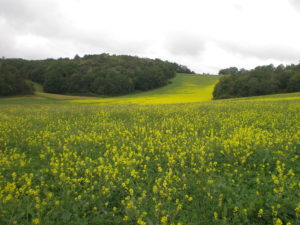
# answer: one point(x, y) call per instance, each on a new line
point(137, 160)
point(184, 88)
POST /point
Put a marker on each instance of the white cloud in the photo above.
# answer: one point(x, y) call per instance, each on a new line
point(295, 3)
point(205, 35)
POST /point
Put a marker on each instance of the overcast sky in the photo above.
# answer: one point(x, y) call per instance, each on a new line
point(205, 35)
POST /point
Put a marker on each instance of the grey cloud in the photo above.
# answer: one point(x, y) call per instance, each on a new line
point(20, 18)
point(40, 19)
point(31, 16)
point(264, 52)
point(185, 45)
point(295, 3)
point(238, 6)
point(6, 41)
point(97, 41)
point(16, 11)
point(44, 19)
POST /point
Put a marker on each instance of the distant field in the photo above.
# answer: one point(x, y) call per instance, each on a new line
point(224, 162)
point(183, 89)
point(274, 97)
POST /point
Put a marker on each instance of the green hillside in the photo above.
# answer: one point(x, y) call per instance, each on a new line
point(273, 97)
point(185, 88)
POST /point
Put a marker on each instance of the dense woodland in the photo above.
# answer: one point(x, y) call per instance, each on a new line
point(259, 81)
point(13, 81)
point(88, 75)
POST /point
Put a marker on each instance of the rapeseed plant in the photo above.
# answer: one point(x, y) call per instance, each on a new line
point(223, 162)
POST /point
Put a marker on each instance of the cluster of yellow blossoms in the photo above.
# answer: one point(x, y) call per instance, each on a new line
point(219, 162)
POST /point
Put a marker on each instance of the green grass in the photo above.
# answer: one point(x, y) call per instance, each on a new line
point(39, 92)
point(273, 97)
point(36, 86)
point(185, 88)
point(60, 97)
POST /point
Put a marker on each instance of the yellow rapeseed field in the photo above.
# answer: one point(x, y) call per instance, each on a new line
point(215, 162)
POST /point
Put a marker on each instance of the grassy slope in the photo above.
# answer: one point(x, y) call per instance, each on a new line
point(40, 96)
point(184, 89)
point(39, 91)
point(274, 97)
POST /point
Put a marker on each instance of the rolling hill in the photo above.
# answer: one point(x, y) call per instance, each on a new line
point(185, 88)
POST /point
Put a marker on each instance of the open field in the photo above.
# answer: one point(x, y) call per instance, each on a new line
point(211, 162)
point(183, 89)
point(266, 98)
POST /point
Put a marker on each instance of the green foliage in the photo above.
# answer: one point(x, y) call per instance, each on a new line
point(98, 74)
point(294, 83)
point(12, 81)
point(260, 81)
point(229, 71)
point(182, 69)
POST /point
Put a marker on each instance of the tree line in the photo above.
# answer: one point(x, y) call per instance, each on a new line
point(13, 80)
point(259, 81)
point(88, 75)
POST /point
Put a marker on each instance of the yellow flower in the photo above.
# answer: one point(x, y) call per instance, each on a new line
point(216, 216)
point(49, 195)
point(14, 175)
point(260, 213)
point(164, 219)
point(141, 222)
point(126, 218)
point(297, 209)
point(131, 191)
point(36, 221)
point(278, 222)
point(236, 209)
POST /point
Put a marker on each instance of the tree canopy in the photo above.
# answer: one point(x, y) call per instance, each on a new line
point(12, 80)
point(259, 81)
point(102, 74)
point(229, 71)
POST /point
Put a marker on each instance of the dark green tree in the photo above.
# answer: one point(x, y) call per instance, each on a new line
point(229, 71)
point(12, 82)
point(260, 81)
